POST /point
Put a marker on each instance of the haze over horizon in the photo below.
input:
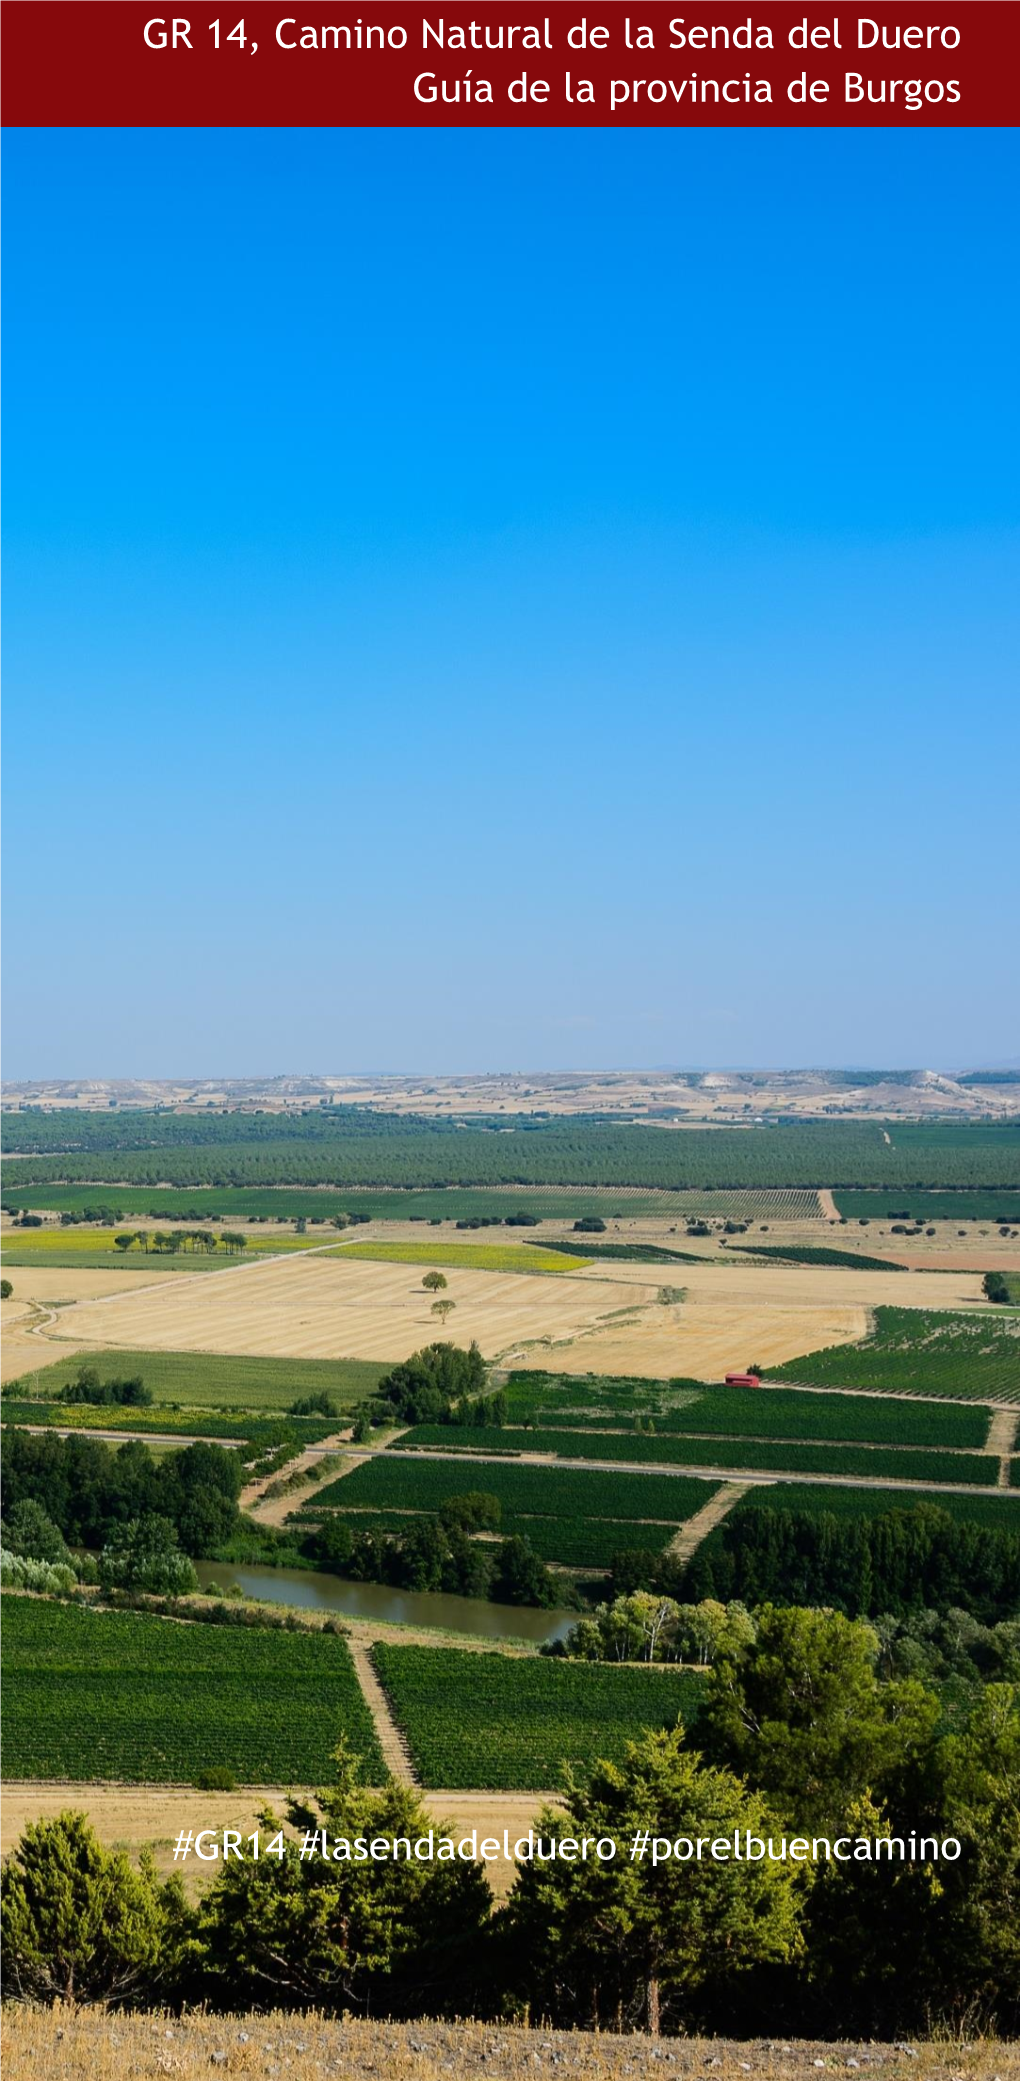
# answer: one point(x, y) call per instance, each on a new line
point(479, 597)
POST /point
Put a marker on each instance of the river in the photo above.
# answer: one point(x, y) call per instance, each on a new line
point(375, 1600)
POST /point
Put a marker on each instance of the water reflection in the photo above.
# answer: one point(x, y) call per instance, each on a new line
point(374, 1600)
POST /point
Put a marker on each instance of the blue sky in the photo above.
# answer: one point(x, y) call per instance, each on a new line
point(510, 600)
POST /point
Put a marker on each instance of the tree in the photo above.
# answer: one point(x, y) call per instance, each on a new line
point(144, 1555)
point(442, 1309)
point(995, 1287)
point(329, 1933)
point(622, 1942)
point(80, 1924)
point(28, 1530)
point(234, 1239)
point(6, 1289)
point(801, 1713)
point(521, 1578)
point(433, 1282)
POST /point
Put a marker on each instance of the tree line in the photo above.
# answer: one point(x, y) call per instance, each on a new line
point(895, 1562)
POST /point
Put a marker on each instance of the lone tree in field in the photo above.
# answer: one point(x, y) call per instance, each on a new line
point(442, 1308)
point(433, 1282)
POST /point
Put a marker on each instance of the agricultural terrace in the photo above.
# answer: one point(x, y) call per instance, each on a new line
point(572, 1515)
point(919, 1351)
point(464, 1257)
point(868, 1462)
point(97, 1695)
point(350, 1146)
point(515, 1725)
point(552, 1401)
point(203, 1380)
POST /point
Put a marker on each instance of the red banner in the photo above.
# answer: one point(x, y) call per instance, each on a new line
point(116, 62)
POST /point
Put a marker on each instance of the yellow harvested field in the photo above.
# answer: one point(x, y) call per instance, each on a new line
point(704, 1342)
point(48, 1284)
point(138, 1817)
point(319, 1307)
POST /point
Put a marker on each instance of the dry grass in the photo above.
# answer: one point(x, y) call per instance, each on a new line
point(82, 2045)
point(138, 1817)
point(605, 1317)
point(323, 1307)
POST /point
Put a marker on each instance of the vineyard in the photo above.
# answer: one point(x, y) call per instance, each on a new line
point(553, 1402)
point(817, 1254)
point(573, 1542)
point(100, 1695)
point(514, 1724)
point(352, 1146)
point(464, 1257)
point(922, 1352)
point(988, 1508)
point(869, 1463)
point(203, 1380)
point(995, 1207)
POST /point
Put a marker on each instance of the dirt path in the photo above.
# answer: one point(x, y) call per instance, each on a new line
point(704, 1521)
point(279, 1507)
point(396, 1754)
point(827, 1204)
point(1002, 1439)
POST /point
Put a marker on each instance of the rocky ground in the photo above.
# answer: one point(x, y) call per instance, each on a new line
point(63, 2045)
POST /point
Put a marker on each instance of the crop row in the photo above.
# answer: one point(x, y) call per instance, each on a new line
point(993, 1206)
point(923, 1352)
point(576, 1542)
point(770, 1412)
point(354, 1146)
point(115, 1695)
point(422, 1483)
point(817, 1254)
point(981, 1507)
point(868, 1463)
point(514, 1724)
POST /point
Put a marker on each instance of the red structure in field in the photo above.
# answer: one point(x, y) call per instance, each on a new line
point(743, 1379)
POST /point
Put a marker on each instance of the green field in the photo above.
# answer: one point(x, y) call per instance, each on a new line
point(980, 1508)
point(318, 1205)
point(865, 1462)
point(816, 1254)
point(573, 1494)
point(463, 1257)
point(892, 1205)
point(574, 1542)
point(347, 1146)
point(88, 1248)
point(554, 1401)
point(513, 1724)
point(631, 1253)
point(97, 1695)
point(264, 1432)
point(922, 1351)
point(199, 1380)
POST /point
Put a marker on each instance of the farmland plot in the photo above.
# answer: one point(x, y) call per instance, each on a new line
point(550, 1402)
point(980, 1508)
point(512, 1725)
point(198, 1380)
point(923, 1352)
point(100, 1695)
point(868, 1462)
